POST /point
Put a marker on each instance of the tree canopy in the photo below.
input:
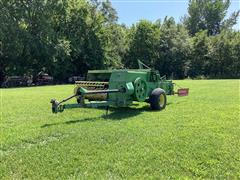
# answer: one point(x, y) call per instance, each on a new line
point(209, 15)
point(69, 37)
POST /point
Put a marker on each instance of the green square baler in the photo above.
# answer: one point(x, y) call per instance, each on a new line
point(119, 88)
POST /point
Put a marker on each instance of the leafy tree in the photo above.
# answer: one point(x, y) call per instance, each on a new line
point(162, 46)
point(223, 53)
point(109, 13)
point(215, 56)
point(63, 37)
point(112, 36)
point(144, 38)
point(80, 29)
point(199, 59)
point(173, 49)
point(27, 35)
point(209, 15)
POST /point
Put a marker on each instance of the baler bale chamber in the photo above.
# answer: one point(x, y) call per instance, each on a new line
point(119, 88)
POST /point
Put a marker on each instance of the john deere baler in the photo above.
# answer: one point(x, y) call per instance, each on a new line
point(119, 88)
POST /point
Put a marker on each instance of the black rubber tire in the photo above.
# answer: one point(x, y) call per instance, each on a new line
point(154, 99)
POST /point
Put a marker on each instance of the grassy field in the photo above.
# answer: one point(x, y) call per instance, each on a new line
point(195, 136)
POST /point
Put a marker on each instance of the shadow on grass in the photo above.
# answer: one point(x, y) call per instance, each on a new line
point(115, 114)
point(123, 113)
point(71, 122)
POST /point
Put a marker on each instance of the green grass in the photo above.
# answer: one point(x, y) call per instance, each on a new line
point(195, 136)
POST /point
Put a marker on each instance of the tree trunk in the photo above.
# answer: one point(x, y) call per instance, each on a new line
point(2, 73)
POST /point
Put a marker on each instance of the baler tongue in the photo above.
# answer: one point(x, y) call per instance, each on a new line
point(57, 106)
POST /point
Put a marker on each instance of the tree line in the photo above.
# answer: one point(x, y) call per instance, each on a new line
point(69, 37)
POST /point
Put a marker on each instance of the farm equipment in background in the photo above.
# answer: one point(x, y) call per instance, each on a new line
point(17, 81)
point(42, 79)
point(119, 88)
point(22, 81)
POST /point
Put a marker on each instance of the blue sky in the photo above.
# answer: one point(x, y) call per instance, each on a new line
point(131, 11)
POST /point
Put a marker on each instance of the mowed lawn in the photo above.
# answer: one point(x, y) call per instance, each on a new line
point(195, 136)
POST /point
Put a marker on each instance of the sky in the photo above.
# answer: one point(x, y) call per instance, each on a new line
point(131, 11)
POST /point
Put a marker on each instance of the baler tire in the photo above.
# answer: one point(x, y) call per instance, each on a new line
point(155, 99)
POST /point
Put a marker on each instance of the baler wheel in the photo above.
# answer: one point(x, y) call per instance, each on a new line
point(158, 99)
